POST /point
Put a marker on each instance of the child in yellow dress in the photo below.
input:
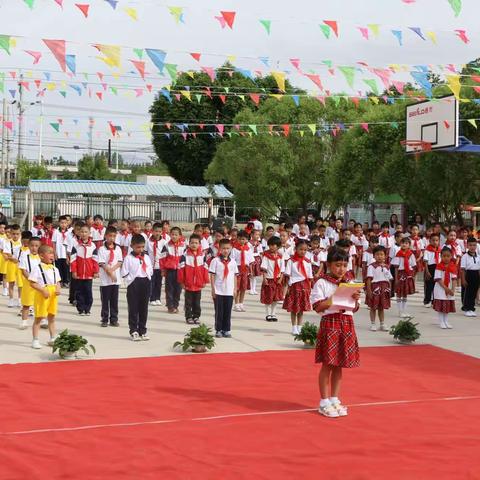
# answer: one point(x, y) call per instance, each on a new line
point(28, 261)
point(3, 263)
point(45, 280)
point(11, 253)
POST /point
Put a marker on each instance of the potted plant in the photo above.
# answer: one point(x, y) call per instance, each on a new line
point(308, 334)
point(68, 344)
point(198, 339)
point(405, 331)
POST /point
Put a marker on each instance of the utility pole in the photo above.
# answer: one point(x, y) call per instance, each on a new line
point(40, 141)
point(91, 122)
point(4, 142)
point(7, 182)
point(21, 111)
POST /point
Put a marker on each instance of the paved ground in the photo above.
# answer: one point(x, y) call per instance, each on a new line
point(250, 331)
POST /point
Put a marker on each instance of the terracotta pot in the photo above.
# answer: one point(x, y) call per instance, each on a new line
point(199, 349)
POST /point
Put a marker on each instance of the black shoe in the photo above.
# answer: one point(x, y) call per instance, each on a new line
point(114, 324)
point(274, 319)
point(104, 324)
point(196, 321)
point(268, 318)
point(189, 321)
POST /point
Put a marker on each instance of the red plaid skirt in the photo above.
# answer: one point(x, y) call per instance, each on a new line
point(405, 285)
point(420, 265)
point(337, 343)
point(444, 306)
point(380, 298)
point(271, 292)
point(257, 272)
point(315, 269)
point(243, 281)
point(297, 299)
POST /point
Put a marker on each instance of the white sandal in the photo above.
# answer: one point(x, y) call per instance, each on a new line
point(341, 409)
point(328, 411)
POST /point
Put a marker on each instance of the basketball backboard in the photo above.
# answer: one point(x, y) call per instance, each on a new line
point(434, 122)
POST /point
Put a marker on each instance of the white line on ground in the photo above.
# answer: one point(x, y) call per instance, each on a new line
point(233, 415)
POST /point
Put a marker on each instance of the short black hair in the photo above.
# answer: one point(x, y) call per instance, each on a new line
point(269, 228)
point(98, 217)
point(336, 254)
point(471, 240)
point(288, 225)
point(35, 239)
point(137, 239)
point(380, 248)
point(445, 249)
point(223, 242)
point(374, 239)
point(385, 225)
point(110, 229)
point(48, 220)
point(299, 243)
point(15, 227)
point(62, 217)
point(176, 229)
point(343, 243)
point(243, 234)
point(314, 238)
point(434, 235)
point(79, 224)
point(27, 235)
point(406, 240)
point(274, 241)
point(195, 236)
point(398, 235)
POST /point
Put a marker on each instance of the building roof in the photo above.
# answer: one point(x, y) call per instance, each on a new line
point(115, 188)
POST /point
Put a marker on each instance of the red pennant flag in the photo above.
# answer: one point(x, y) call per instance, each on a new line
point(26, 85)
point(477, 89)
point(356, 101)
point(255, 98)
point(140, 66)
point(315, 79)
point(149, 87)
point(83, 7)
point(112, 129)
point(202, 126)
point(37, 83)
point(99, 95)
point(476, 78)
point(229, 18)
point(100, 76)
point(58, 48)
point(286, 129)
point(333, 25)
point(196, 56)
point(223, 98)
point(210, 71)
point(447, 125)
point(59, 2)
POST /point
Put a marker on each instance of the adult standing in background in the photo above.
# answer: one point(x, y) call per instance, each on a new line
point(255, 219)
point(302, 220)
point(3, 217)
point(418, 220)
point(393, 223)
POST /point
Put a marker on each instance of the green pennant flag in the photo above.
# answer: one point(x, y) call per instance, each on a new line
point(253, 128)
point(55, 126)
point(198, 96)
point(313, 128)
point(114, 90)
point(172, 71)
point(241, 97)
point(394, 124)
point(302, 133)
point(63, 93)
point(2, 82)
point(349, 73)
point(227, 89)
point(456, 6)
point(328, 63)
point(267, 24)
point(229, 134)
point(138, 52)
point(326, 30)
point(5, 43)
point(336, 99)
point(29, 3)
point(373, 85)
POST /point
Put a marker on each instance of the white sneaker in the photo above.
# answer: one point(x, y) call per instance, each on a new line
point(158, 303)
point(328, 411)
point(405, 315)
point(448, 325)
point(383, 328)
point(153, 303)
point(373, 327)
point(474, 314)
point(23, 325)
point(145, 337)
point(18, 303)
point(242, 308)
point(470, 314)
point(443, 325)
point(36, 344)
point(341, 409)
point(252, 292)
point(236, 308)
point(12, 303)
point(44, 323)
point(135, 337)
point(427, 305)
point(51, 341)
point(294, 330)
point(5, 292)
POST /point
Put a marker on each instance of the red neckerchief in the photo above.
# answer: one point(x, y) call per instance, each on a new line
point(315, 254)
point(148, 233)
point(376, 264)
point(225, 262)
point(155, 246)
point(47, 236)
point(164, 235)
point(125, 233)
point(64, 234)
point(175, 246)
point(141, 257)
point(111, 253)
point(85, 245)
point(195, 255)
point(274, 257)
point(205, 236)
point(405, 254)
point(416, 241)
point(329, 278)
point(454, 246)
point(248, 230)
point(386, 236)
point(436, 251)
point(301, 264)
point(98, 228)
point(449, 269)
point(243, 249)
point(255, 246)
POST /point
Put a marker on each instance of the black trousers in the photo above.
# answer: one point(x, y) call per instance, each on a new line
point(392, 282)
point(83, 295)
point(469, 293)
point(138, 293)
point(109, 297)
point(192, 304)
point(223, 313)
point(429, 285)
point(172, 289)
point(71, 290)
point(156, 290)
point(61, 264)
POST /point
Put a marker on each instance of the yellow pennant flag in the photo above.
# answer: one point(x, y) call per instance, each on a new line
point(277, 96)
point(432, 36)
point(280, 79)
point(232, 58)
point(190, 73)
point(51, 86)
point(473, 122)
point(375, 100)
point(186, 94)
point(131, 12)
point(112, 54)
point(375, 28)
point(454, 84)
point(302, 133)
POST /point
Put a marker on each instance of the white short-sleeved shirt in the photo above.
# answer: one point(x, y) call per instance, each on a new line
point(456, 250)
point(258, 225)
point(268, 266)
point(323, 289)
point(360, 241)
point(223, 286)
point(379, 273)
point(394, 249)
point(420, 243)
point(72, 242)
point(438, 291)
point(470, 262)
point(60, 241)
point(155, 254)
point(429, 257)
point(12, 248)
point(386, 242)
point(333, 237)
point(97, 235)
point(44, 275)
point(28, 262)
point(237, 256)
point(368, 258)
point(132, 268)
point(293, 273)
point(103, 259)
point(400, 262)
point(256, 250)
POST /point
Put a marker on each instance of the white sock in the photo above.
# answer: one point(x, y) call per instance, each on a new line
point(399, 305)
point(334, 400)
point(404, 304)
point(324, 402)
point(441, 318)
point(273, 308)
point(253, 285)
point(267, 310)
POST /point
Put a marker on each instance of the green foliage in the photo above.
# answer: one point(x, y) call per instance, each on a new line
point(405, 331)
point(197, 337)
point(94, 168)
point(308, 334)
point(67, 343)
point(187, 160)
point(27, 171)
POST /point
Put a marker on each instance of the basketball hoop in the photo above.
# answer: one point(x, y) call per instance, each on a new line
point(417, 146)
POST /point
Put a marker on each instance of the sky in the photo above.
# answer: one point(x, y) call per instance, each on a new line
point(295, 33)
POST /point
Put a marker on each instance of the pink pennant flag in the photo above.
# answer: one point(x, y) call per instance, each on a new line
point(201, 125)
point(13, 74)
point(59, 2)
point(177, 96)
point(384, 75)
point(149, 87)
point(184, 135)
point(399, 86)
point(364, 32)
point(315, 79)
point(139, 92)
point(365, 126)
point(196, 56)
point(220, 127)
point(356, 101)
point(140, 66)
point(476, 78)
point(104, 86)
point(255, 98)
point(100, 76)
point(25, 85)
point(477, 89)
point(321, 100)
point(208, 93)
point(210, 71)
point(295, 62)
point(37, 83)
point(8, 125)
point(58, 48)
point(194, 135)
point(462, 35)
point(83, 7)
point(36, 56)
point(168, 125)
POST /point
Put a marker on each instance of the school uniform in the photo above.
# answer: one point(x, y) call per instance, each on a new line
point(212, 252)
point(47, 236)
point(442, 302)
point(20, 278)
point(314, 257)
point(46, 276)
point(418, 247)
point(381, 277)
point(137, 272)
point(333, 236)
point(121, 241)
point(256, 250)
point(109, 288)
point(224, 271)
point(243, 258)
point(169, 262)
point(14, 249)
point(28, 262)
point(405, 263)
point(352, 254)
point(37, 231)
point(154, 249)
point(97, 232)
point(71, 242)
point(193, 274)
point(431, 257)
point(393, 253)
point(471, 266)
point(60, 240)
point(84, 263)
point(205, 242)
point(3, 262)
point(337, 343)
point(299, 273)
point(387, 241)
point(367, 260)
point(273, 267)
point(361, 244)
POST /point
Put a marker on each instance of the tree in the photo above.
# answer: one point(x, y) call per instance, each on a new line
point(94, 168)
point(187, 160)
point(27, 171)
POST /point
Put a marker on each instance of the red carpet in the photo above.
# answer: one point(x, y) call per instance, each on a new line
point(425, 439)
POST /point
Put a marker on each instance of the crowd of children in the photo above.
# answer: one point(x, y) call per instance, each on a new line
point(288, 262)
